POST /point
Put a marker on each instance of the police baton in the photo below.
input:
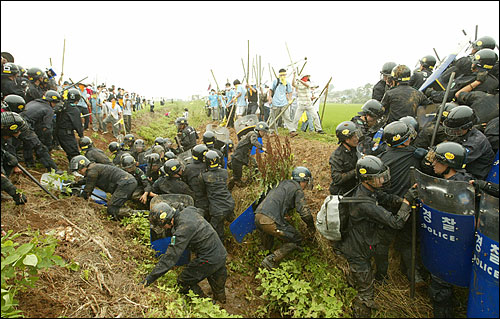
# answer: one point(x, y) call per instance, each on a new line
point(413, 249)
point(441, 107)
point(36, 182)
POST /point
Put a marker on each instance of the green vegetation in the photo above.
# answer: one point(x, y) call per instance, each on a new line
point(337, 113)
point(20, 267)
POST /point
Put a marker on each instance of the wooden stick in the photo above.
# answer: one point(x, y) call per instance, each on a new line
point(244, 73)
point(326, 86)
point(248, 60)
point(324, 106)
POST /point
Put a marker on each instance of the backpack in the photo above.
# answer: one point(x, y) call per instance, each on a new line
point(333, 217)
point(275, 87)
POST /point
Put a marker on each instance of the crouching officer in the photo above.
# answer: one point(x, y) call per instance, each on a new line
point(144, 187)
point(170, 182)
point(191, 177)
point(110, 179)
point(188, 228)
point(68, 120)
point(362, 231)
point(186, 134)
point(92, 153)
point(270, 215)
point(213, 183)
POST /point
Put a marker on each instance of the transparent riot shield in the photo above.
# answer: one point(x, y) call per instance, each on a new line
point(221, 135)
point(446, 219)
point(245, 124)
point(159, 241)
point(483, 288)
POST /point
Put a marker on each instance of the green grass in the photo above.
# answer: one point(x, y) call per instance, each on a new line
point(336, 113)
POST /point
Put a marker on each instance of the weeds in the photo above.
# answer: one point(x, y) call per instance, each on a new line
point(277, 163)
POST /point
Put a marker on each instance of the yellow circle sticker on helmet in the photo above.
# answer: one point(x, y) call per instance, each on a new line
point(362, 171)
point(477, 57)
point(449, 155)
point(54, 97)
point(345, 132)
point(479, 43)
point(174, 168)
point(82, 161)
point(13, 127)
point(163, 215)
point(302, 174)
point(396, 138)
point(445, 113)
point(20, 106)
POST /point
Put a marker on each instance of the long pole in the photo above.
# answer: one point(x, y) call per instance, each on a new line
point(302, 68)
point(326, 86)
point(217, 84)
point(244, 73)
point(475, 37)
point(413, 250)
point(291, 61)
point(62, 67)
point(441, 107)
point(324, 105)
point(437, 56)
point(270, 74)
point(248, 59)
point(36, 182)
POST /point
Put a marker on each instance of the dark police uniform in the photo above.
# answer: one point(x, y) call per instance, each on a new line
point(359, 246)
point(424, 137)
point(67, 120)
point(379, 90)
point(33, 92)
point(143, 183)
point(39, 115)
point(401, 101)
point(270, 217)
point(220, 201)
point(11, 87)
point(118, 156)
point(480, 156)
point(190, 176)
point(31, 140)
point(188, 138)
point(491, 133)
point(191, 231)
point(171, 185)
point(241, 153)
point(419, 77)
point(96, 155)
point(110, 179)
point(343, 170)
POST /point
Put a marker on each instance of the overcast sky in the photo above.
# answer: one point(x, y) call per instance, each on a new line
point(168, 48)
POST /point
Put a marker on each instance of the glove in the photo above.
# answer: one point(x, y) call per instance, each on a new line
point(11, 159)
point(404, 212)
point(420, 153)
point(481, 76)
point(411, 195)
point(85, 195)
point(479, 184)
point(428, 92)
point(382, 197)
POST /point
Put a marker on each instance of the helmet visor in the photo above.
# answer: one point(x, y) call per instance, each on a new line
point(453, 131)
point(380, 180)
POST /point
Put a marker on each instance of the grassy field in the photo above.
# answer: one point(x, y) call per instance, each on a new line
point(337, 113)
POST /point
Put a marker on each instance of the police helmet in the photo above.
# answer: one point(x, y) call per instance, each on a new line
point(51, 96)
point(387, 68)
point(209, 138)
point(460, 118)
point(153, 158)
point(78, 162)
point(167, 143)
point(373, 108)
point(412, 124)
point(158, 149)
point(85, 142)
point(170, 155)
point(161, 214)
point(113, 147)
point(401, 74)
point(301, 174)
point(346, 130)
point(212, 160)
point(172, 167)
point(372, 170)
point(139, 144)
point(198, 152)
point(485, 42)
point(396, 133)
point(450, 153)
point(181, 121)
point(72, 95)
point(10, 68)
point(447, 109)
point(15, 103)
point(158, 141)
point(262, 126)
point(428, 61)
point(34, 74)
point(127, 161)
point(485, 59)
point(129, 139)
point(12, 123)
point(22, 71)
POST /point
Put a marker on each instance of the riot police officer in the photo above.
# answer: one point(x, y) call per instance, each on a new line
point(92, 153)
point(153, 167)
point(190, 229)
point(381, 87)
point(343, 159)
point(213, 183)
point(68, 120)
point(209, 140)
point(242, 151)
point(10, 85)
point(8, 161)
point(171, 182)
point(187, 135)
point(370, 121)
point(458, 126)
point(110, 179)
point(402, 100)
point(418, 77)
point(424, 137)
point(270, 216)
point(117, 151)
point(139, 151)
point(34, 90)
point(191, 177)
point(128, 143)
point(144, 187)
point(13, 103)
point(363, 232)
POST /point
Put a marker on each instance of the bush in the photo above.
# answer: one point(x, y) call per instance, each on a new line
point(20, 267)
point(276, 164)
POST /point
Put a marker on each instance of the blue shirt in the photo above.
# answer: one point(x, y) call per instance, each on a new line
point(241, 100)
point(229, 95)
point(279, 98)
point(213, 100)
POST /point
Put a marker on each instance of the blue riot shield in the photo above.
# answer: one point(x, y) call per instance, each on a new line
point(446, 219)
point(143, 167)
point(493, 174)
point(160, 242)
point(483, 288)
point(254, 149)
point(243, 224)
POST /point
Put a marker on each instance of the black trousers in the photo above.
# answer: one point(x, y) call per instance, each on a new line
point(68, 143)
point(199, 269)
